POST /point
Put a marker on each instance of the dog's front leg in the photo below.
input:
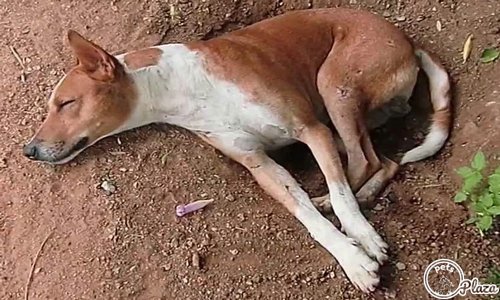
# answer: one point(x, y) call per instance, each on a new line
point(278, 183)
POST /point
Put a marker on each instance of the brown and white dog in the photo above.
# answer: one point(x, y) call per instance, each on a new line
point(271, 84)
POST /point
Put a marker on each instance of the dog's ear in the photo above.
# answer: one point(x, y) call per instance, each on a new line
point(98, 64)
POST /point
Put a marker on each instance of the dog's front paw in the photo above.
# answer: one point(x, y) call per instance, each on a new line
point(360, 269)
point(369, 239)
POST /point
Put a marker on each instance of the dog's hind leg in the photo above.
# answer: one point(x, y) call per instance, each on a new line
point(367, 193)
point(344, 106)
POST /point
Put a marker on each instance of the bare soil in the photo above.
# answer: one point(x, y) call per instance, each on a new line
point(130, 245)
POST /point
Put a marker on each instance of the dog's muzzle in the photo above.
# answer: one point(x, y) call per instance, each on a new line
point(39, 150)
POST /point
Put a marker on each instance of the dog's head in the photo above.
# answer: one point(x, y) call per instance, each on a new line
point(93, 100)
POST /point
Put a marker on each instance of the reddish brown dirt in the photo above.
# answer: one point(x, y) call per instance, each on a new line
point(130, 245)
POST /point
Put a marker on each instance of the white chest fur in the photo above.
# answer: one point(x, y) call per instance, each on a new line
point(180, 91)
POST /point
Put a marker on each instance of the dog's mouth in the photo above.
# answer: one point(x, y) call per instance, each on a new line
point(80, 145)
point(72, 153)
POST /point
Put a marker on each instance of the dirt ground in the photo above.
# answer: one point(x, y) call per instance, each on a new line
point(130, 245)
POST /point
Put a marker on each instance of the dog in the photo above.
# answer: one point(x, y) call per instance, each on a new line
point(268, 85)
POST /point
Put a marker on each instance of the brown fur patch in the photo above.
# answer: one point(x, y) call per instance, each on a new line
point(143, 58)
point(284, 62)
point(98, 108)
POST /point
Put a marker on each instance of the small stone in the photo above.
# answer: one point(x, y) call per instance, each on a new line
point(234, 251)
point(196, 260)
point(37, 270)
point(256, 279)
point(400, 266)
point(400, 18)
point(439, 26)
point(378, 207)
point(108, 187)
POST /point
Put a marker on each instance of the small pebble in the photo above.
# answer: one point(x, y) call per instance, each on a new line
point(439, 26)
point(400, 266)
point(108, 187)
point(196, 261)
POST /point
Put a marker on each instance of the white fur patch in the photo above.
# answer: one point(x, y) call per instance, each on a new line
point(434, 141)
point(180, 91)
point(439, 88)
point(353, 222)
point(438, 80)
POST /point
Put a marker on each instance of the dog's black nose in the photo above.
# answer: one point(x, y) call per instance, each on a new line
point(30, 150)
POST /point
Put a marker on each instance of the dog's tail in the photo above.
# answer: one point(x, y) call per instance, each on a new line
point(439, 84)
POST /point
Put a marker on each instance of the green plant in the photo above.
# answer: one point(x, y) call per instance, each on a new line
point(490, 55)
point(493, 276)
point(481, 193)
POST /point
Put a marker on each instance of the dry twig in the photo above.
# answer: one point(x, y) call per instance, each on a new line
point(17, 57)
point(30, 277)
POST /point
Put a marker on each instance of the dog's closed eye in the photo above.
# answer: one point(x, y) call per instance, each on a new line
point(66, 103)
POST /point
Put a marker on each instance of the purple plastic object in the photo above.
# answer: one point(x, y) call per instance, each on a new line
point(184, 209)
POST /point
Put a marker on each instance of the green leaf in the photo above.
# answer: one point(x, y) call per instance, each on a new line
point(471, 220)
point(494, 276)
point(471, 182)
point(497, 171)
point(494, 210)
point(460, 197)
point(479, 161)
point(479, 207)
point(496, 200)
point(473, 197)
point(465, 172)
point(484, 223)
point(489, 55)
point(494, 180)
point(487, 200)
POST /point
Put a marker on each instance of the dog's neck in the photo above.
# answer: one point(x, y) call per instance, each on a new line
point(166, 91)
